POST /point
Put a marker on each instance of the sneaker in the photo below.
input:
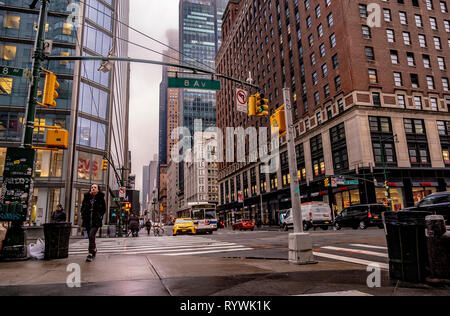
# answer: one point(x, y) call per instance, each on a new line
point(94, 254)
point(89, 258)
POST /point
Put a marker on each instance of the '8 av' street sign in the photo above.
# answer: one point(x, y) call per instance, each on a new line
point(202, 84)
point(13, 72)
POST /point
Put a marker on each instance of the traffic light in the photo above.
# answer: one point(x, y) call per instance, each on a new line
point(278, 121)
point(50, 94)
point(386, 185)
point(127, 206)
point(327, 182)
point(104, 164)
point(252, 106)
point(262, 105)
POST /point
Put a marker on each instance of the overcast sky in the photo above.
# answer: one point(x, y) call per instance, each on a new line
point(154, 18)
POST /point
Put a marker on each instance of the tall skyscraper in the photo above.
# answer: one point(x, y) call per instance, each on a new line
point(200, 33)
point(92, 105)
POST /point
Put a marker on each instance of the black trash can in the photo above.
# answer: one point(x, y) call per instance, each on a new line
point(57, 238)
point(407, 246)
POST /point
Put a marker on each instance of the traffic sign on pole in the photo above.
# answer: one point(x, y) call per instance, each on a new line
point(242, 101)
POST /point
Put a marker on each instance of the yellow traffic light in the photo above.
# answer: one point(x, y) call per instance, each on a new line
point(104, 164)
point(262, 105)
point(50, 94)
point(252, 106)
point(278, 122)
point(327, 182)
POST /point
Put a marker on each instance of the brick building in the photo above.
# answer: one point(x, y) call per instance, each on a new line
point(362, 94)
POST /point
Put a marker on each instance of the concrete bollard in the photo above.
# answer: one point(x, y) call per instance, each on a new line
point(438, 242)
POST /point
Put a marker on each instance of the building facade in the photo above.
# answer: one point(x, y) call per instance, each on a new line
point(92, 105)
point(150, 181)
point(367, 100)
point(200, 171)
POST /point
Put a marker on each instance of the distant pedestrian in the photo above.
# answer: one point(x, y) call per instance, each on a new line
point(58, 216)
point(148, 226)
point(92, 211)
point(133, 225)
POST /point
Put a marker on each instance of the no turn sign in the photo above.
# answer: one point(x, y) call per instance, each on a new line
point(242, 100)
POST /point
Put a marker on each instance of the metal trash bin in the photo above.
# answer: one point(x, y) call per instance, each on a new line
point(438, 249)
point(57, 239)
point(407, 246)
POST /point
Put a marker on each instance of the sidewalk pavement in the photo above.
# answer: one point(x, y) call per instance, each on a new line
point(153, 275)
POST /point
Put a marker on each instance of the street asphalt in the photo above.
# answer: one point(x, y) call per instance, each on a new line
point(227, 263)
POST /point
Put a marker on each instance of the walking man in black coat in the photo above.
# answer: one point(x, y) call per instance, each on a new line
point(92, 211)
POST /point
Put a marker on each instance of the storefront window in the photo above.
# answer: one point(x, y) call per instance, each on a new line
point(43, 163)
point(347, 198)
point(396, 195)
point(57, 162)
point(89, 167)
point(421, 193)
point(54, 200)
point(2, 160)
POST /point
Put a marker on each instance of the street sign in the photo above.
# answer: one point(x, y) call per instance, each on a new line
point(13, 72)
point(334, 183)
point(122, 192)
point(187, 83)
point(351, 182)
point(242, 100)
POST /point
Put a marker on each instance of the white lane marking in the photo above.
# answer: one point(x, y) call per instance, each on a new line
point(178, 248)
point(383, 266)
point(362, 252)
point(369, 246)
point(205, 252)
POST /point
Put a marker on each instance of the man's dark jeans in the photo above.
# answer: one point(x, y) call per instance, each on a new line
point(92, 233)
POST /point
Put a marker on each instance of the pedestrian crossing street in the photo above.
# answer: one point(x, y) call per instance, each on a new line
point(166, 245)
point(356, 253)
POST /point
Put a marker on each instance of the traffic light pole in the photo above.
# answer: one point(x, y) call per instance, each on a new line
point(300, 243)
point(38, 58)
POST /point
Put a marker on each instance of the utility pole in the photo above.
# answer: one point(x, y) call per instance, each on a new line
point(300, 243)
point(38, 58)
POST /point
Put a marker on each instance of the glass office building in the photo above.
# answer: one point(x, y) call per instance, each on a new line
point(200, 34)
point(92, 105)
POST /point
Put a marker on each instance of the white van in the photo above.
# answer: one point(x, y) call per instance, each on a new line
point(315, 214)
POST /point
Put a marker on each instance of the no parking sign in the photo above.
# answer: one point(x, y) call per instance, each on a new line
point(242, 100)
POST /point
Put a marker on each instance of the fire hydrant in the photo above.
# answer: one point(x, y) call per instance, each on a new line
point(438, 242)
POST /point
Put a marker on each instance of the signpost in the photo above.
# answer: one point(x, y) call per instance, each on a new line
point(188, 83)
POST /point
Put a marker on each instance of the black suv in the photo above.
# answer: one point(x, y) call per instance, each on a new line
point(437, 203)
point(362, 216)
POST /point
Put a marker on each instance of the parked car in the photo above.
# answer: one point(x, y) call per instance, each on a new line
point(314, 214)
point(362, 216)
point(437, 203)
point(244, 224)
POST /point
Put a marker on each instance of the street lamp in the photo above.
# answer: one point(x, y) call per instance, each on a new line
point(386, 183)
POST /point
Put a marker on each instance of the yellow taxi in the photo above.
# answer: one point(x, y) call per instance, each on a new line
point(184, 226)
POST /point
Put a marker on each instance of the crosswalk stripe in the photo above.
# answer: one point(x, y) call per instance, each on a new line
point(193, 250)
point(206, 252)
point(131, 249)
point(383, 266)
point(362, 252)
point(369, 246)
point(124, 247)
